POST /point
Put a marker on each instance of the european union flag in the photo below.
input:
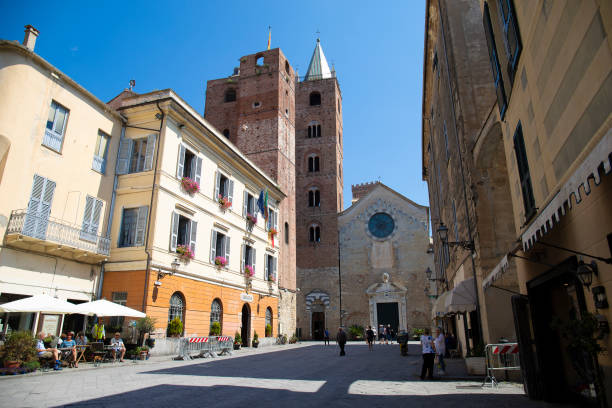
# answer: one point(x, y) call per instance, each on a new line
point(260, 203)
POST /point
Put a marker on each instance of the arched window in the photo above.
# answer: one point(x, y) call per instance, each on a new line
point(269, 333)
point(315, 99)
point(286, 233)
point(260, 60)
point(226, 133)
point(230, 95)
point(314, 130)
point(313, 163)
point(177, 307)
point(314, 233)
point(314, 198)
point(216, 313)
point(287, 68)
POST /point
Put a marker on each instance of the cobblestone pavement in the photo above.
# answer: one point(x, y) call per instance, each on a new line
point(306, 374)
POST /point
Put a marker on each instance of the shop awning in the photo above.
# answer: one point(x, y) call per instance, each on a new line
point(462, 298)
point(39, 303)
point(439, 307)
point(496, 273)
point(546, 219)
point(103, 308)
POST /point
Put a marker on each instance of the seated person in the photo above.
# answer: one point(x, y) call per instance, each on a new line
point(81, 339)
point(47, 352)
point(117, 346)
point(69, 343)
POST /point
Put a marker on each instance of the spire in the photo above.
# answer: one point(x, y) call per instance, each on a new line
point(318, 67)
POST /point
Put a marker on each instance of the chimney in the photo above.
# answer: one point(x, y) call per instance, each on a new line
point(30, 37)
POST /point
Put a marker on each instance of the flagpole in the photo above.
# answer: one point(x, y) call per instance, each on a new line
point(269, 36)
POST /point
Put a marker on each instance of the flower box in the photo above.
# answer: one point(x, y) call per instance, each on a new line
point(224, 202)
point(249, 271)
point(185, 252)
point(189, 185)
point(251, 218)
point(220, 261)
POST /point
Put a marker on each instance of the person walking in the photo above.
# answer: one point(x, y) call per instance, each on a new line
point(341, 340)
point(370, 338)
point(381, 333)
point(429, 349)
point(440, 343)
point(326, 337)
point(386, 335)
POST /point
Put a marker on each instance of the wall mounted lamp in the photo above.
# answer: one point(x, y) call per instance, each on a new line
point(443, 235)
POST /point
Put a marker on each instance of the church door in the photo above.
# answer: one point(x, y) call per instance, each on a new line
point(318, 325)
point(246, 325)
point(388, 313)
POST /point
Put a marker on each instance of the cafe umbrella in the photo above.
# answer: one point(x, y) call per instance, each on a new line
point(39, 304)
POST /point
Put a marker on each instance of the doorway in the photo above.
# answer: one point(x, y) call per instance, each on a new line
point(388, 314)
point(318, 325)
point(245, 330)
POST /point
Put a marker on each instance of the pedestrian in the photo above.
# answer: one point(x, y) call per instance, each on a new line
point(370, 338)
point(429, 349)
point(439, 342)
point(326, 338)
point(387, 334)
point(341, 340)
point(381, 333)
point(97, 333)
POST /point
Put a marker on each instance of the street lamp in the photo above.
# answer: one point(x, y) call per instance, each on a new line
point(428, 273)
point(161, 274)
point(586, 271)
point(443, 235)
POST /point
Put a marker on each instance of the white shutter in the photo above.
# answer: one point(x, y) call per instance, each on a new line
point(95, 218)
point(276, 220)
point(213, 246)
point(141, 226)
point(123, 156)
point(89, 202)
point(266, 269)
point(174, 231)
point(243, 250)
point(38, 186)
point(198, 172)
point(44, 209)
point(275, 262)
point(193, 234)
point(227, 248)
point(245, 207)
point(180, 162)
point(253, 257)
point(217, 181)
point(230, 194)
point(148, 164)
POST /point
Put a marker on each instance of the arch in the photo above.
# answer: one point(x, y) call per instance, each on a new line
point(314, 129)
point(259, 60)
point(314, 233)
point(177, 307)
point(230, 95)
point(315, 98)
point(317, 295)
point(245, 328)
point(269, 321)
point(286, 232)
point(226, 133)
point(314, 197)
point(287, 69)
point(313, 163)
point(216, 313)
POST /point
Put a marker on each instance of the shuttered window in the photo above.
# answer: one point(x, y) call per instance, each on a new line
point(136, 155)
point(270, 265)
point(273, 219)
point(39, 207)
point(494, 60)
point(133, 227)
point(512, 39)
point(219, 246)
point(100, 152)
point(188, 165)
point(91, 219)
point(224, 187)
point(524, 175)
point(184, 232)
point(248, 257)
point(56, 126)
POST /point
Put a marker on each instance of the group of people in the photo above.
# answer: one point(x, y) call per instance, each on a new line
point(435, 347)
point(386, 334)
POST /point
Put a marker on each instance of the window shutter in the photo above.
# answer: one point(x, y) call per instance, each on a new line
point(89, 202)
point(230, 194)
point(141, 225)
point(38, 186)
point(495, 67)
point(180, 162)
point(213, 246)
point(243, 250)
point(275, 262)
point(174, 231)
point(198, 172)
point(44, 209)
point(192, 239)
point(276, 220)
point(245, 205)
point(266, 270)
point(217, 181)
point(148, 164)
point(253, 258)
point(95, 219)
point(227, 249)
point(123, 159)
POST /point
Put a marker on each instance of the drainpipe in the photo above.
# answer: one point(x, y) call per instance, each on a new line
point(147, 249)
point(467, 211)
point(339, 278)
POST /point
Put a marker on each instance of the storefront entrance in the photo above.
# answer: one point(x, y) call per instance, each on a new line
point(245, 331)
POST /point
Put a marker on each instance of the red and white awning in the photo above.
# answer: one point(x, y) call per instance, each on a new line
point(589, 169)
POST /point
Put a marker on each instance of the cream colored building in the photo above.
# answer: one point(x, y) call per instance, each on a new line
point(58, 145)
point(164, 141)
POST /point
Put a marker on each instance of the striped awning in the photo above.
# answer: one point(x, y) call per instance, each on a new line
point(462, 298)
point(439, 308)
point(601, 155)
point(496, 273)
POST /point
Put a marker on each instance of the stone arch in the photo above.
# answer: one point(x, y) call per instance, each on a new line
point(317, 295)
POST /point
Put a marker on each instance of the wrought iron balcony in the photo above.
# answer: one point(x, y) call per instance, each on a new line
point(39, 233)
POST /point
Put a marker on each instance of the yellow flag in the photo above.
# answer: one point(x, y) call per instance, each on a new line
point(269, 36)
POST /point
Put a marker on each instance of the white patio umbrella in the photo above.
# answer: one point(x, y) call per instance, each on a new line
point(39, 303)
point(104, 308)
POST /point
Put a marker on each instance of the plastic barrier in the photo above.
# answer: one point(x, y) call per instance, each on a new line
point(205, 346)
point(501, 357)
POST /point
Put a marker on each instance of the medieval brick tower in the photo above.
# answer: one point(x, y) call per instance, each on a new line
point(318, 155)
point(255, 108)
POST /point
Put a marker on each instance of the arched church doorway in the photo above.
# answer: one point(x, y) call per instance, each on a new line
point(245, 331)
point(318, 325)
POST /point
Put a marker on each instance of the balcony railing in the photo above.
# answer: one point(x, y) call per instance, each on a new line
point(42, 228)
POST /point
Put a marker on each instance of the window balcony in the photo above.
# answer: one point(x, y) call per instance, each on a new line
point(38, 233)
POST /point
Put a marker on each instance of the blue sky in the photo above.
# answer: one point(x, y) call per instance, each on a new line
point(377, 49)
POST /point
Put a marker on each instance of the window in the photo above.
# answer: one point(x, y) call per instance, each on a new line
point(314, 233)
point(99, 159)
point(287, 70)
point(523, 169)
point(256, 104)
point(56, 126)
point(230, 95)
point(260, 60)
point(270, 267)
point(315, 99)
point(314, 130)
point(184, 232)
point(286, 233)
point(248, 257)
point(272, 219)
point(121, 299)
point(446, 141)
point(494, 60)
point(136, 155)
point(249, 204)
point(314, 198)
point(313, 164)
point(224, 187)
point(269, 322)
point(455, 222)
point(435, 64)
point(216, 313)
point(39, 207)
point(219, 246)
point(226, 133)
point(91, 219)
point(133, 224)
point(188, 165)
point(177, 308)
point(512, 38)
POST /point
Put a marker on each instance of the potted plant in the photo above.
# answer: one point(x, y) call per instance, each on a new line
point(475, 361)
point(189, 185)
point(224, 202)
point(293, 339)
point(185, 252)
point(249, 271)
point(255, 340)
point(251, 218)
point(143, 352)
point(220, 262)
point(215, 329)
point(237, 341)
point(18, 349)
point(145, 326)
point(272, 233)
point(268, 330)
point(175, 327)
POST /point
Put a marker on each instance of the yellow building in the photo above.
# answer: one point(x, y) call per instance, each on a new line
point(166, 145)
point(58, 145)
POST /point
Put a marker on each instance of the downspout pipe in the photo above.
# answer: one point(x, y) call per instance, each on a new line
point(147, 249)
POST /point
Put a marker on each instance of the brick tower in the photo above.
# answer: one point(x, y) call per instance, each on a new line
point(318, 155)
point(255, 108)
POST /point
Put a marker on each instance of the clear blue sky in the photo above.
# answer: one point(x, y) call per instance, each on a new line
point(377, 48)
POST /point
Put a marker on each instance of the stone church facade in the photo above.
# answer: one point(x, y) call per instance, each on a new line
point(384, 251)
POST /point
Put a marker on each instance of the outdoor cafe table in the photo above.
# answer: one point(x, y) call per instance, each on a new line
point(81, 348)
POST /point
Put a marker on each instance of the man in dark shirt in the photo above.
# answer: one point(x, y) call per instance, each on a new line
point(370, 338)
point(341, 340)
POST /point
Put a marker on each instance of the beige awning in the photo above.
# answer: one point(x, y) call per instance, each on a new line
point(462, 298)
point(496, 273)
point(439, 307)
